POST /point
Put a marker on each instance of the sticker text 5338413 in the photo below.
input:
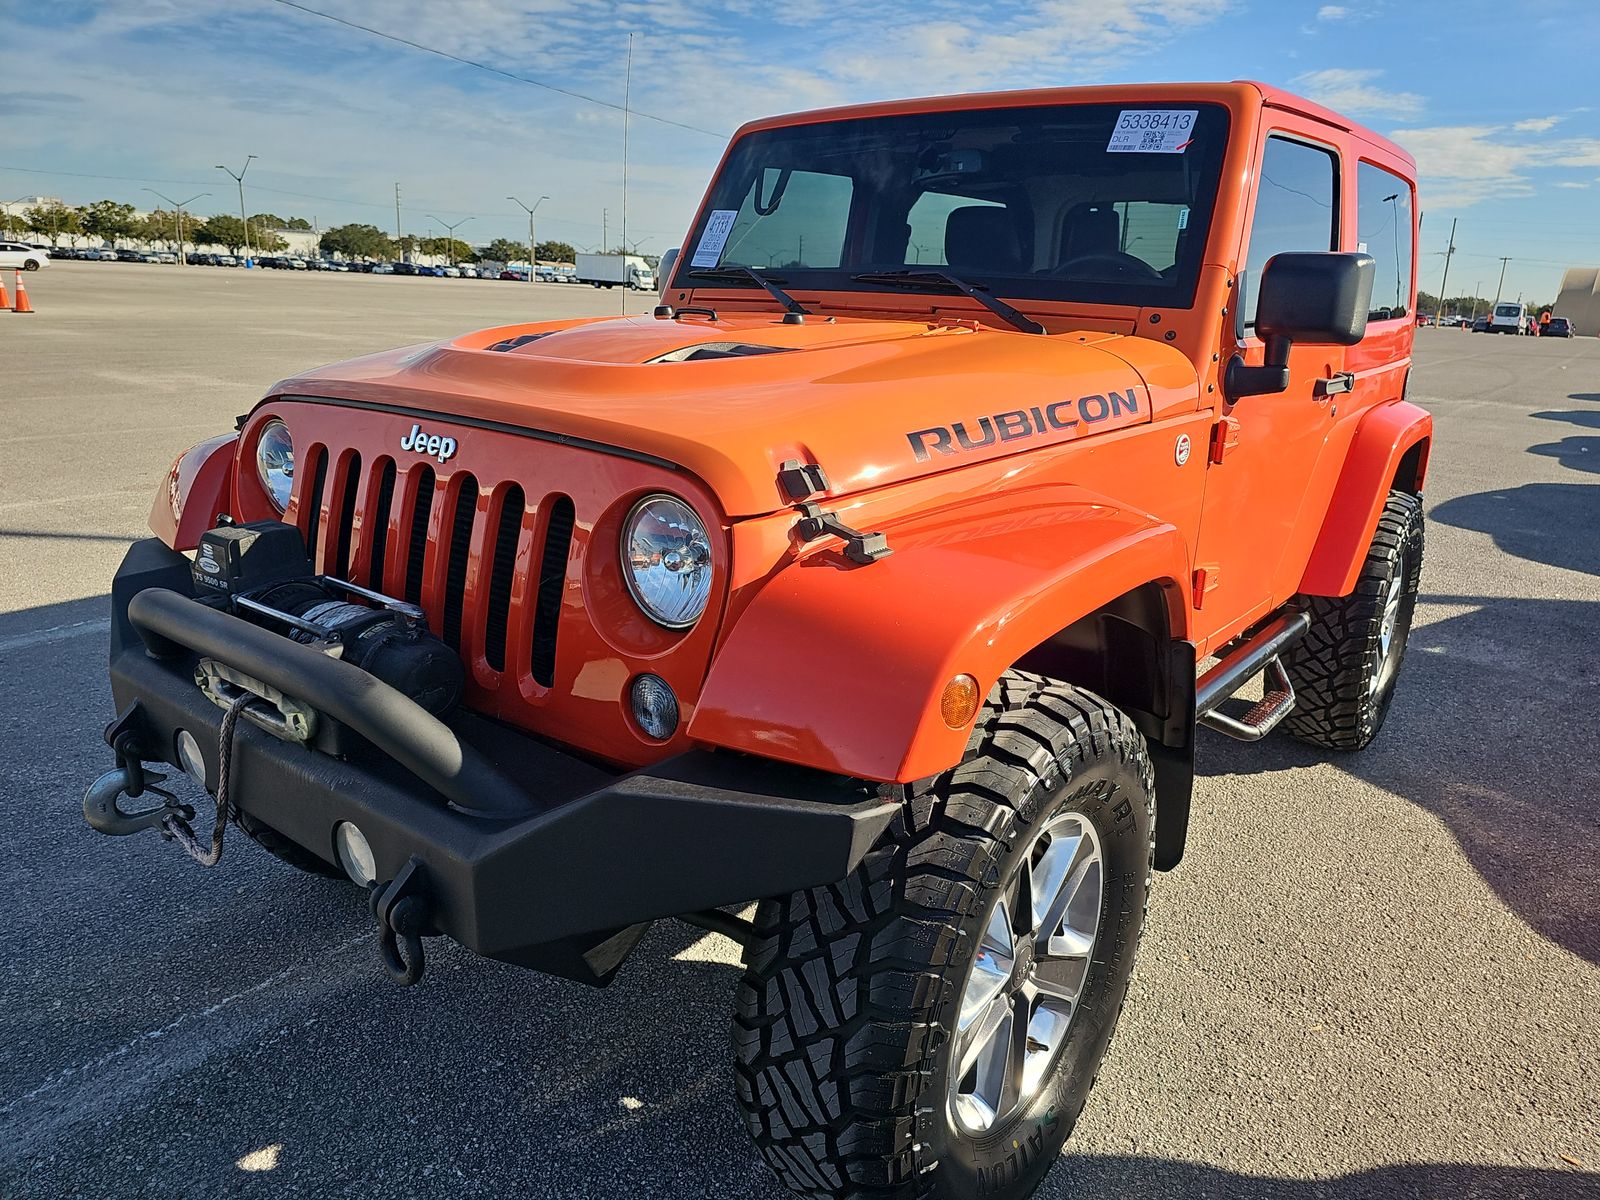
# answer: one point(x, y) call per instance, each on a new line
point(1152, 131)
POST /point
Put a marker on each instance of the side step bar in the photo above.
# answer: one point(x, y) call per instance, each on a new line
point(1258, 652)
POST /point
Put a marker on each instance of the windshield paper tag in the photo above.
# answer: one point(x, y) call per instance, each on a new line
point(718, 227)
point(1153, 131)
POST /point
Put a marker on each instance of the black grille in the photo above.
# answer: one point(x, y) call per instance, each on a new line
point(552, 576)
point(312, 500)
point(455, 580)
point(378, 524)
point(418, 547)
point(347, 515)
point(498, 611)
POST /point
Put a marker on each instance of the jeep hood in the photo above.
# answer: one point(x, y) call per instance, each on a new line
point(873, 402)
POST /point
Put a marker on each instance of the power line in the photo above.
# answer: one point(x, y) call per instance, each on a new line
point(468, 62)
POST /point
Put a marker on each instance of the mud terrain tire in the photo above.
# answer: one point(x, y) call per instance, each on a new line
point(847, 1017)
point(1344, 669)
point(281, 848)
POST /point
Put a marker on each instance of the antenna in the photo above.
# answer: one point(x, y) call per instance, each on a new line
point(627, 96)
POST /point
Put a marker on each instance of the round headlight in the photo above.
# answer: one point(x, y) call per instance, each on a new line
point(666, 559)
point(275, 462)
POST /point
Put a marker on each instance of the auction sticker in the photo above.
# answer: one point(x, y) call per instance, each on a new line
point(1153, 131)
point(718, 226)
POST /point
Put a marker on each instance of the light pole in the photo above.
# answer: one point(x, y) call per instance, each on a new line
point(243, 220)
point(178, 207)
point(533, 255)
point(451, 230)
point(1501, 285)
point(1394, 213)
point(5, 209)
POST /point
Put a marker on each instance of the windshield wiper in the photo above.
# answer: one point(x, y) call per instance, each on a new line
point(790, 304)
point(943, 281)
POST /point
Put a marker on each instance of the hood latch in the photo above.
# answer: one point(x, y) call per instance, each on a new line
point(801, 480)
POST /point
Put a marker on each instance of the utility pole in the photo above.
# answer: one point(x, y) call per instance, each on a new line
point(1448, 254)
point(451, 238)
point(533, 253)
point(605, 238)
point(178, 207)
point(1497, 287)
point(397, 245)
point(1477, 290)
point(243, 220)
point(627, 99)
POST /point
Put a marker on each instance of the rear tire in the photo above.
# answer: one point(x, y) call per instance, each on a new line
point(1344, 669)
point(917, 1030)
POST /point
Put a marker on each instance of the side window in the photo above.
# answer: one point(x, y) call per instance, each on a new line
point(1297, 208)
point(798, 218)
point(929, 220)
point(1383, 230)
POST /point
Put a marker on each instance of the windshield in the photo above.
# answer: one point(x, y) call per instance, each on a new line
point(1097, 203)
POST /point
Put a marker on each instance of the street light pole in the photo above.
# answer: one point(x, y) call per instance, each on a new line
point(533, 254)
point(1499, 286)
point(451, 229)
point(243, 220)
point(178, 207)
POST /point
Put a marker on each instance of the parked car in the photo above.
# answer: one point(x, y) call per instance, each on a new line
point(298, 264)
point(226, 260)
point(329, 264)
point(129, 256)
point(1480, 325)
point(383, 269)
point(65, 252)
point(164, 257)
point(516, 274)
point(404, 268)
point(1558, 327)
point(20, 256)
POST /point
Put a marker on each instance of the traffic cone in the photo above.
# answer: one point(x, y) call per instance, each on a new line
point(5, 299)
point(22, 297)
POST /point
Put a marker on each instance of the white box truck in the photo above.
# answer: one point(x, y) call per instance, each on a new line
point(610, 270)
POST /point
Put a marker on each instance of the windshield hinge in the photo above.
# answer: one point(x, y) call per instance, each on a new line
point(858, 547)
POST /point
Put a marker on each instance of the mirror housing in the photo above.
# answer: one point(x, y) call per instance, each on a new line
point(664, 270)
point(1320, 297)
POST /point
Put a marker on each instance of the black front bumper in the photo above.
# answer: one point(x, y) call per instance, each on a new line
point(531, 855)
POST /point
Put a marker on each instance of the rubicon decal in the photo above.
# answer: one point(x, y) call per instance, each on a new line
point(1023, 423)
point(441, 448)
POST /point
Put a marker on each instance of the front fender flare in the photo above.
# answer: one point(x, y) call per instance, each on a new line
point(1382, 440)
point(196, 489)
point(841, 667)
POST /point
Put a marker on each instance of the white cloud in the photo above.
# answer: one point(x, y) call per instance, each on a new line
point(1351, 90)
point(1537, 124)
point(1568, 183)
point(1332, 12)
point(1460, 165)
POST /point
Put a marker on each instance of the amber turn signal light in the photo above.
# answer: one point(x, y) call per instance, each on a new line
point(959, 701)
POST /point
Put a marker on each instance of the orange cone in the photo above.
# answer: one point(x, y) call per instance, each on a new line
point(5, 299)
point(22, 297)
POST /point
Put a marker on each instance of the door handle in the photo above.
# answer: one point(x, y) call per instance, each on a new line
point(1333, 385)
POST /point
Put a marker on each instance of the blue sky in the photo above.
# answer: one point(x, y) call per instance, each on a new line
point(1498, 101)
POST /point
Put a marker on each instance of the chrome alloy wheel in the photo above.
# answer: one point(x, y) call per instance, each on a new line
point(1393, 595)
point(1027, 976)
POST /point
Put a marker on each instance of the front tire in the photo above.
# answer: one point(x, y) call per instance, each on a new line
point(31, 265)
point(1344, 669)
point(931, 1026)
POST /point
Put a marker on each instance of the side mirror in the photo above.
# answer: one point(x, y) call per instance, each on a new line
point(664, 270)
point(1321, 297)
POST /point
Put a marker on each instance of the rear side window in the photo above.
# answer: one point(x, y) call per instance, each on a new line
point(1297, 208)
point(1383, 230)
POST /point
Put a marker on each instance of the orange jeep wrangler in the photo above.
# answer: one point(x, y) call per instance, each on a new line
point(981, 449)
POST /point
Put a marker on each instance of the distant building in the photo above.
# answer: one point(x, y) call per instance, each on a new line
point(1579, 301)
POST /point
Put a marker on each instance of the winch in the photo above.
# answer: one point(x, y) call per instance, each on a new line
point(260, 571)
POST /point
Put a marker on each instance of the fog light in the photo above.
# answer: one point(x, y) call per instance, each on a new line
point(355, 854)
point(655, 708)
point(190, 758)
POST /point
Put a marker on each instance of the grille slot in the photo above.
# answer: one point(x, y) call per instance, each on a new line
point(378, 526)
point(552, 576)
point(498, 610)
point(311, 502)
point(417, 549)
point(347, 515)
point(455, 580)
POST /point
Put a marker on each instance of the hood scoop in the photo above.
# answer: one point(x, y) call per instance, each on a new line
point(705, 351)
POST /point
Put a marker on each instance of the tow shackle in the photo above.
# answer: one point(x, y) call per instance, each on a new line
point(404, 912)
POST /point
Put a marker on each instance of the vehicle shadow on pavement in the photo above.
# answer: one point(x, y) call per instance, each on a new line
point(1579, 453)
point(1550, 523)
point(1478, 737)
point(1095, 1177)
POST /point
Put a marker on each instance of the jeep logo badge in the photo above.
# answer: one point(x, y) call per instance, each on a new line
point(441, 448)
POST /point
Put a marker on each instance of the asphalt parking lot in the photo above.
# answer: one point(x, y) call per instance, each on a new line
point(1372, 976)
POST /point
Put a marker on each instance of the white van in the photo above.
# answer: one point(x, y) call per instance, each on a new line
point(1509, 318)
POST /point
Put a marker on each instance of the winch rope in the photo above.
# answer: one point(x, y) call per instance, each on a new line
point(178, 828)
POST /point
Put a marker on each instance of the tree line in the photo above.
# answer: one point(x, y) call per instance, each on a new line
point(112, 221)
